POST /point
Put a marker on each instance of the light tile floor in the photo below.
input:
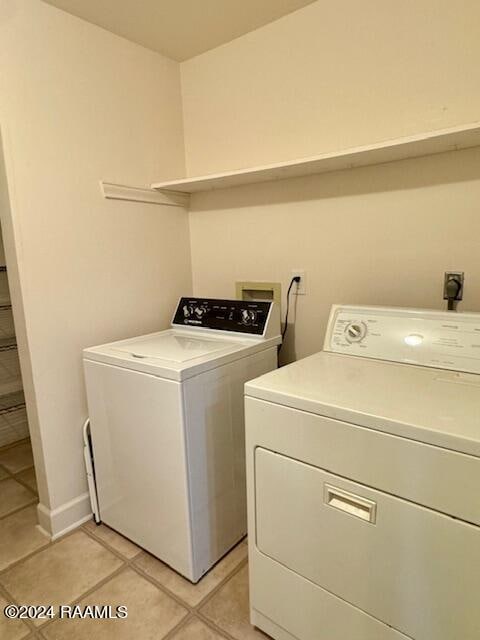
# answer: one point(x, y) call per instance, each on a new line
point(96, 566)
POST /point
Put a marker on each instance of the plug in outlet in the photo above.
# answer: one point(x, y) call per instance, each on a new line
point(453, 285)
point(299, 288)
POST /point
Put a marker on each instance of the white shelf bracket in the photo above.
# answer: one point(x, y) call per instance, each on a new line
point(113, 191)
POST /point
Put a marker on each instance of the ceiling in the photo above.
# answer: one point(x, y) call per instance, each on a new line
point(180, 29)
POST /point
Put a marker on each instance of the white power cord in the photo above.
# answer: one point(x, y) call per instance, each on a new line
point(92, 487)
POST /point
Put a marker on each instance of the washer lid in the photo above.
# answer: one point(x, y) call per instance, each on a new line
point(178, 354)
point(173, 347)
point(436, 407)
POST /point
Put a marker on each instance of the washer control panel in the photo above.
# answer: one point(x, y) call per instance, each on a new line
point(441, 339)
point(223, 315)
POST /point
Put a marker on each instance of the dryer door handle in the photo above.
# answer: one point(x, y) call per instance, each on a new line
point(350, 503)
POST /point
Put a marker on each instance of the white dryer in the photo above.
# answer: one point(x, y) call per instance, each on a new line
point(363, 475)
point(167, 426)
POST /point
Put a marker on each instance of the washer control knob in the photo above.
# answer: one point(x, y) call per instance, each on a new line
point(356, 331)
point(248, 316)
point(188, 311)
point(200, 312)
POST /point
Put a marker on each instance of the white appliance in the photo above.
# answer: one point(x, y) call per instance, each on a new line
point(363, 475)
point(167, 427)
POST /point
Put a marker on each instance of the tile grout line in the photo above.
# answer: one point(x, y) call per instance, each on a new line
point(215, 590)
point(6, 595)
point(16, 443)
point(162, 588)
point(40, 628)
point(22, 482)
point(96, 586)
point(192, 608)
point(34, 500)
point(126, 563)
point(36, 631)
point(12, 474)
point(183, 622)
point(131, 562)
point(49, 544)
point(53, 543)
point(192, 612)
point(91, 533)
point(5, 468)
point(212, 625)
point(213, 593)
point(193, 616)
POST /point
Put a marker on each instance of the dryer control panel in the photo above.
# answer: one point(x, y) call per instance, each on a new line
point(239, 316)
point(441, 339)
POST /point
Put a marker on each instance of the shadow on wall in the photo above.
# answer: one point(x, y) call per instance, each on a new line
point(288, 351)
point(413, 173)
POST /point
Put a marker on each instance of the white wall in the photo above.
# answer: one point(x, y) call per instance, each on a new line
point(79, 105)
point(330, 76)
point(327, 77)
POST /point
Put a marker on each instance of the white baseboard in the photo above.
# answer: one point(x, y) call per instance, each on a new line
point(57, 522)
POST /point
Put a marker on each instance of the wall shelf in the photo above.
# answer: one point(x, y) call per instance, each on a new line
point(415, 146)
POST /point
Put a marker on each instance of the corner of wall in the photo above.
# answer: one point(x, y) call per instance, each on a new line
point(57, 522)
point(181, 66)
point(12, 245)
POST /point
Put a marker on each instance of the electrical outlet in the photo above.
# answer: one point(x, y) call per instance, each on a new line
point(299, 288)
point(453, 275)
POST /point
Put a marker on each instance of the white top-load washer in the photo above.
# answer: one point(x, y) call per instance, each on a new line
point(167, 426)
point(363, 475)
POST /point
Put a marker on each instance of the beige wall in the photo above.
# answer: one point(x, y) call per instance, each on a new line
point(327, 77)
point(330, 76)
point(77, 105)
point(379, 235)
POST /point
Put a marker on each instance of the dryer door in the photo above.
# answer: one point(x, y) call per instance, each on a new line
point(413, 568)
